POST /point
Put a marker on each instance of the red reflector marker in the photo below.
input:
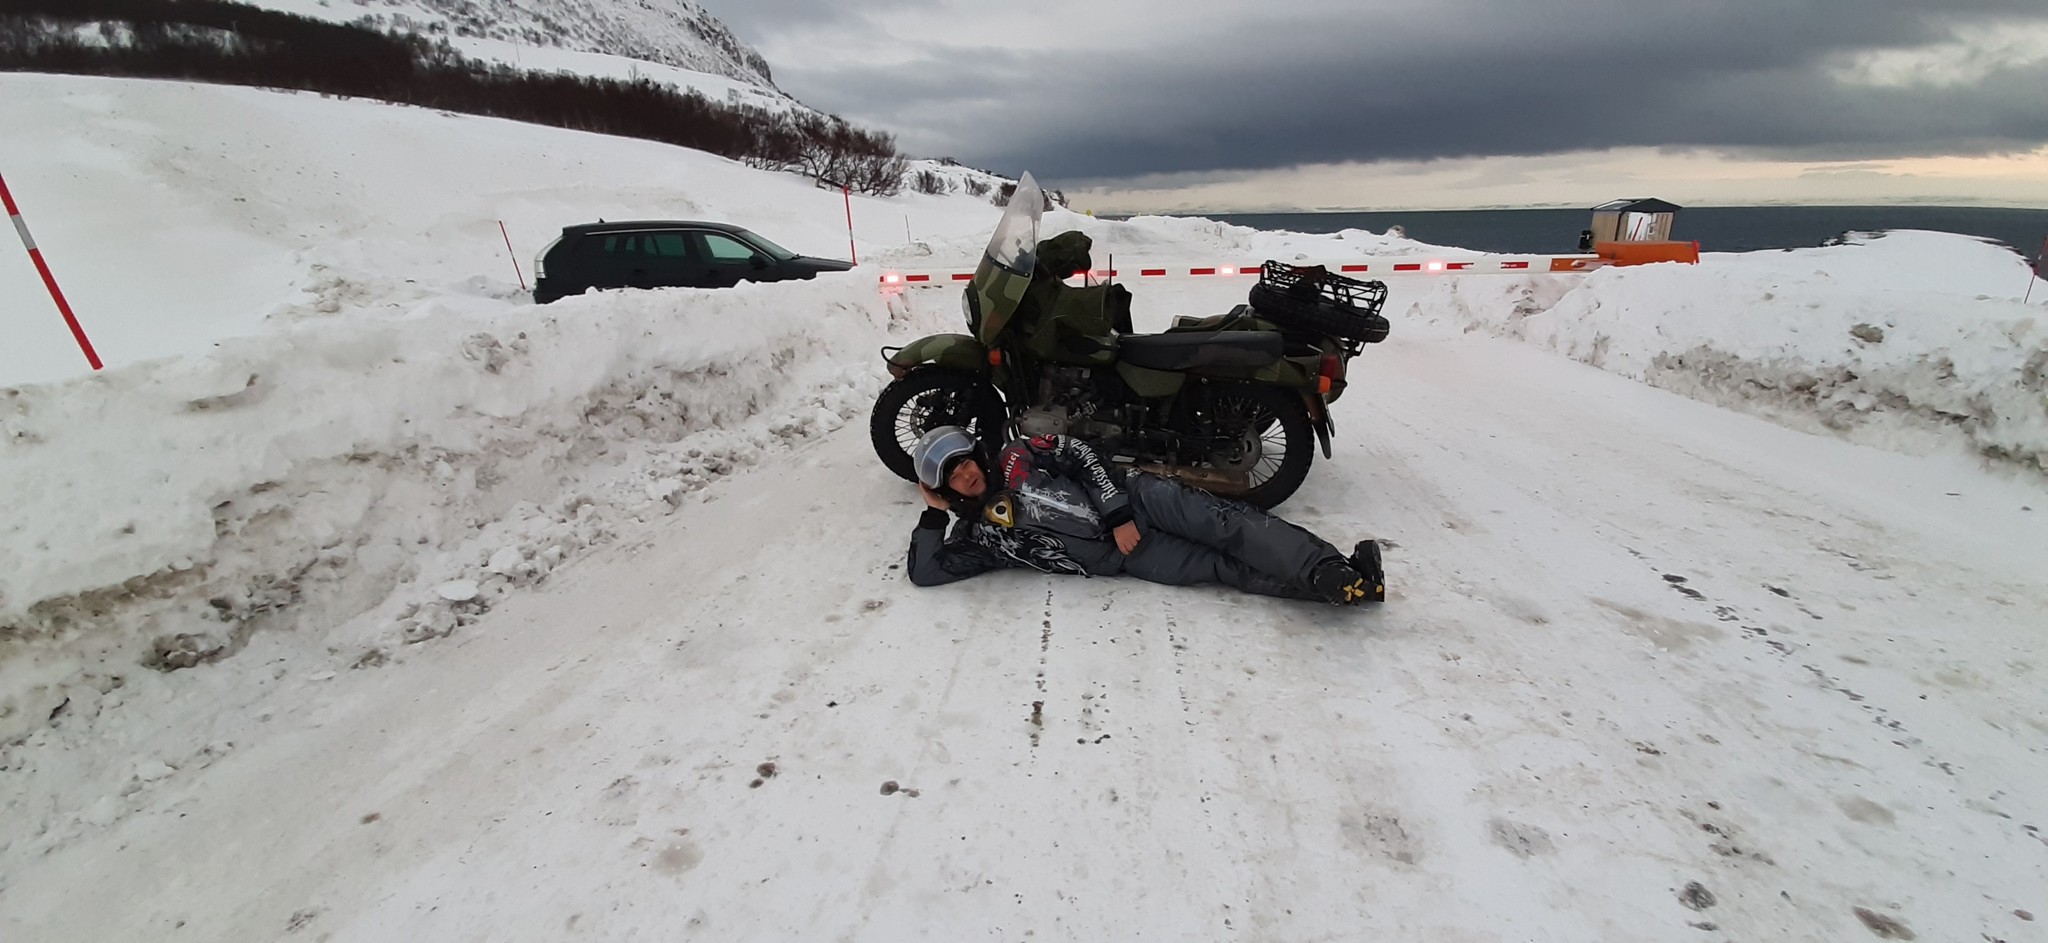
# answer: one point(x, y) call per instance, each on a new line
point(963, 276)
point(1407, 266)
point(1354, 268)
point(1201, 271)
point(917, 278)
point(1151, 271)
point(1514, 265)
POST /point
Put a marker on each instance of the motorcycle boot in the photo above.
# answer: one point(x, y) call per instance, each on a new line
point(1365, 558)
point(1339, 583)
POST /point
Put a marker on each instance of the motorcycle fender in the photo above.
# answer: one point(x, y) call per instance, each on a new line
point(1151, 384)
point(951, 351)
point(1319, 419)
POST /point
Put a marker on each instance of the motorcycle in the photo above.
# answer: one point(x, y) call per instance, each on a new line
point(1233, 404)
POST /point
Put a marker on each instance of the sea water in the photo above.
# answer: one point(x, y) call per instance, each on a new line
point(1716, 228)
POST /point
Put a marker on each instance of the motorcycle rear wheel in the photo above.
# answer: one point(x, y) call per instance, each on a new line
point(1275, 444)
point(926, 399)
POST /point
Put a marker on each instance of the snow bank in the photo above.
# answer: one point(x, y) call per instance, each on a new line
point(1910, 340)
point(427, 462)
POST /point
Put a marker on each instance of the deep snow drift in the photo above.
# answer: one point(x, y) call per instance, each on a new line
point(650, 518)
point(1904, 340)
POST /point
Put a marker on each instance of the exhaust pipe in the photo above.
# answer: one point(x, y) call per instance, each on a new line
point(1229, 484)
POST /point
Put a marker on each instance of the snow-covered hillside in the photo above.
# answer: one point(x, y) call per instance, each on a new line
point(676, 33)
point(364, 599)
point(332, 216)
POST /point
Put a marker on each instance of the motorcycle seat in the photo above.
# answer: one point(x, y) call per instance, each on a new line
point(1193, 350)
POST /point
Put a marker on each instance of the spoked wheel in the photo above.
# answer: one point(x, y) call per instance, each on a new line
point(926, 400)
point(1262, 433)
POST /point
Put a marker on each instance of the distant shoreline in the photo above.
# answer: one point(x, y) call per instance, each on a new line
point(1716, 228)
point(1213, 213)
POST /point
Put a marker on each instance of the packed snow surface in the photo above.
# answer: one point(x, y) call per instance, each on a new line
point(363, 599)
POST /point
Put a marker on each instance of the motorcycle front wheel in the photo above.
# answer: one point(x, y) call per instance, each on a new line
point(1266, 435)
point(923, 401)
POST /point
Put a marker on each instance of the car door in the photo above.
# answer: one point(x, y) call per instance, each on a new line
point(597, 260)
point(669, 259)
point(727, 261)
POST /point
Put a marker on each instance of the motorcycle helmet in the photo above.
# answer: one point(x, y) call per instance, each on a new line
point(937, 452)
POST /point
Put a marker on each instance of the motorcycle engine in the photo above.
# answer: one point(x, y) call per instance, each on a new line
point(1042, 420)
point(1068, 404)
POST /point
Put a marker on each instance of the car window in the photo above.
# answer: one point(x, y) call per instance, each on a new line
point(634, 246)
point(723, 248)
point(622, 245)
point(769, 247)
point(667, 245)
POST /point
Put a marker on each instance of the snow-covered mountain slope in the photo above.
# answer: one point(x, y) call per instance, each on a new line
point(386, 605)
point(677, 33)
point(954, 177)
point(340, 209)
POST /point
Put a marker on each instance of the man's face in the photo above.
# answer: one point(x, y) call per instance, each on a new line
point(966, 479)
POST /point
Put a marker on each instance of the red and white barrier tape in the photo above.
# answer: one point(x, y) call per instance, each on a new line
point(1375, 267)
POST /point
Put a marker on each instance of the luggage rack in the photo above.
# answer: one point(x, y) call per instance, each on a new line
point(1314, 301)
point(1318, 282)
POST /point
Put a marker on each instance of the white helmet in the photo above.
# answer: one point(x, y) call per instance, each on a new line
point(934, 454)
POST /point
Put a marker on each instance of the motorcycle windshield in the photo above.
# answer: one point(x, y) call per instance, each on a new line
point(1015, 245)
point(1005, 269)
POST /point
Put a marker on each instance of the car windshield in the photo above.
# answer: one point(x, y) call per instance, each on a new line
point(780, 253)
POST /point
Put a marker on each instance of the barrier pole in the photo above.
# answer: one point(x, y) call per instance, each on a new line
point(49, 281)
point(2040, 270)
point(514, 255)
point(847, 192)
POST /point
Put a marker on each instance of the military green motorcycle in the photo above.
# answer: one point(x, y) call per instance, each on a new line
point(1234, 404)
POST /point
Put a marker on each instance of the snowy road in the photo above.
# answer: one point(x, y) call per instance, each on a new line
point(1650, 670)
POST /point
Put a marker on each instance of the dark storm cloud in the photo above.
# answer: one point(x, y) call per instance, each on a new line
point(1476, 79)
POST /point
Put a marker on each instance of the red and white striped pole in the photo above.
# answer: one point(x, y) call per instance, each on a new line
point(513, 253)
point(50, 281)
point(847, 192)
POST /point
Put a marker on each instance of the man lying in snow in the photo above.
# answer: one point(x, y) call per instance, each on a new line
point(1053, 505)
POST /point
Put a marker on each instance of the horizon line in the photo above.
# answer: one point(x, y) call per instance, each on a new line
point(1931, 203)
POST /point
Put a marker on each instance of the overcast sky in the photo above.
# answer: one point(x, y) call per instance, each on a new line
point(1157, 105)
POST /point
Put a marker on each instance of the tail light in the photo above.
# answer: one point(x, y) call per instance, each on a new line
point(1331, 371)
